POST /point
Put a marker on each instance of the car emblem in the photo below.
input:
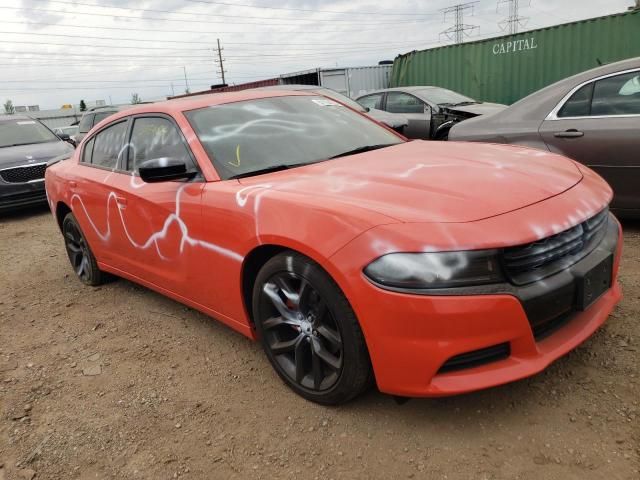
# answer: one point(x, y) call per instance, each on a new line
point(30, 158)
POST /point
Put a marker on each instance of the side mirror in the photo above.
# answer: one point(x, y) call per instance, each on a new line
point(65, 137)
point(164, 170)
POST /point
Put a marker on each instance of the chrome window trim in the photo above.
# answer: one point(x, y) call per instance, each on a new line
point(553, 115)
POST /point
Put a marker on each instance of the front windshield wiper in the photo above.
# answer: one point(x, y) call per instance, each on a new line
point(365, 148)
point(272, 168)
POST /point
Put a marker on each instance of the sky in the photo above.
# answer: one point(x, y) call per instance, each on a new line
point(55, 52)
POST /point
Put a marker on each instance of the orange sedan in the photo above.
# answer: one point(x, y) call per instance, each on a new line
point(353, 255)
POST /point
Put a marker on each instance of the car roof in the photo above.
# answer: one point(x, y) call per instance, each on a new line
point(179, 105)
point(14, 117)
point(539, 104)
point(409, 89)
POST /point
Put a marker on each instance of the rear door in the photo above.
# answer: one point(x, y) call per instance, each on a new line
point(159, 218)
point(95, 200)
point(417, 112)
point(599, 126)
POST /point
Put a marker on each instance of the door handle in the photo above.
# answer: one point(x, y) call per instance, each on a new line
point(572, 133)
point(73, 184)
point(121, 201)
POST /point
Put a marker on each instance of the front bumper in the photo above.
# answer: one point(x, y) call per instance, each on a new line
point(411, 337)
point(17, 195)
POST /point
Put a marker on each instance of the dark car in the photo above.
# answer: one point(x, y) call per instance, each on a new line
point(394, 121)
point(26, 145)
point(91, 118)
point(430, 111)
point(592, 117)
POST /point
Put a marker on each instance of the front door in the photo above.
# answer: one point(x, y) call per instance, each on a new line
point(158, 218)
point(599, 126)
point(415, 110)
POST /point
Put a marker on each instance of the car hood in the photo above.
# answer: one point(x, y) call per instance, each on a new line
point(478, 108)
point(430, 181)
point(392, 120)
point(34, 153)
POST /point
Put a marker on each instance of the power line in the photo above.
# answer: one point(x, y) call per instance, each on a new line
point(200, 42)
point(164, 31)
point(201, 14)
point(208, 2)
point(514, 20)
point(181, 20)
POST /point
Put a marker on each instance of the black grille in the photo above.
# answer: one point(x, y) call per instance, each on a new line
point(536, 260)
point(476, 358)
point(23, 174)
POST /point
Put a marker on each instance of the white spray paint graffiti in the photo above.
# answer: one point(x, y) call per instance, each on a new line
point(154, 238)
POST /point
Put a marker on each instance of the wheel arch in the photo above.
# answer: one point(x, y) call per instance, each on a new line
point(261, 254)
point(62, 210)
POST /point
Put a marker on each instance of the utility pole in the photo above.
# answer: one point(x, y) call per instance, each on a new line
point(186, 81)
point(220, 63)
point(459, 30)
point(514, 20)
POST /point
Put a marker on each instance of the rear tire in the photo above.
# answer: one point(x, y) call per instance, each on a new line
point(80, 255)
point(309, 332)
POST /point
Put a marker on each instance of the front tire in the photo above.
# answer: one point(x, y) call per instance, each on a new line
point(309, 332)
point(80, 255)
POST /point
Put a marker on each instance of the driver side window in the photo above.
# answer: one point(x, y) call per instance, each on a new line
point(153, 138)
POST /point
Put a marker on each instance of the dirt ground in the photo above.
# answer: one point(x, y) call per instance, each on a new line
point(119, 382)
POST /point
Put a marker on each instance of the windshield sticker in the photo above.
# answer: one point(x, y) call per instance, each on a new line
point(325, 102)
point(27, 122)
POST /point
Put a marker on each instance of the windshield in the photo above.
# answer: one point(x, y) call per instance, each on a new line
point(442, 96)
point(24, 132)
point(257, 135)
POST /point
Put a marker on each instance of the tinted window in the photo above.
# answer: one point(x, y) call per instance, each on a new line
point(88, 149)
point(398, 102)
point(579, 104)
point(619, 95)
point(24, 132)
point(243, 137)
point(155, 138)
point(371, 101)
point(86, 122)
point(109, 145)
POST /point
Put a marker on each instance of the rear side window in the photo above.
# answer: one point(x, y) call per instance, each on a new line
point(153, 138)
point(88, 150)
point(619, 95)
point(579, 105)
point(108, 146)
point(371, 101)
point(86, 122)
point(398, 102)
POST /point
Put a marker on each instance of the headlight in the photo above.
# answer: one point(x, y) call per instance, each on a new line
point(435, 270)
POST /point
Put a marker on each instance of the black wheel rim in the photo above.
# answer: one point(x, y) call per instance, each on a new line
point(77, 250)
point(300, 332)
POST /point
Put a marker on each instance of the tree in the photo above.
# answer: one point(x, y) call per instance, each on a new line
point(83, 106)
point(9, 109)
point(135, 99)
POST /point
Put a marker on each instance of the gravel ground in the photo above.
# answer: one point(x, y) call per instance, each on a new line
point(119, 382)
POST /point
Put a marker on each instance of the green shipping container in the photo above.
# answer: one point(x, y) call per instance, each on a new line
point(506, 69)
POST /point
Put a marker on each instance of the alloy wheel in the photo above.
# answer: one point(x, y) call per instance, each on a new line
point(77, 250)
point(300, 332)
